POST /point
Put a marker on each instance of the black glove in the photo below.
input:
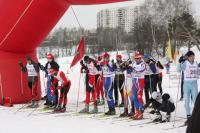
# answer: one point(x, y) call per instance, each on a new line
point(145, 106)
point(39, 64)
point(81, 62)
point(181, 59)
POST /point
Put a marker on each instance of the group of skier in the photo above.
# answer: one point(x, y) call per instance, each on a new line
point(130, 78)
point(107, 77)
point(54, 76)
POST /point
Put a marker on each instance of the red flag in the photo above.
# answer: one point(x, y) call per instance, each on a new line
point(79, 53)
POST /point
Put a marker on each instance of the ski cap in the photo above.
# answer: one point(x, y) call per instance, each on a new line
point(118, 56)
point(156, 95)
point(137, 55)
point(147, 56)
point(106, 55)
point(50, 56)
point(99, 58)
point(86, 58)
point(189, 53)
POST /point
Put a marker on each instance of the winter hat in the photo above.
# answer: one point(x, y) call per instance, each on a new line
point(189, 53)
point(99, 58)
point(50, 56)
point(106, 55)
point(86, 58)
point(119, 57)
point(156, 95)
point(137, 55)
point(147, 56)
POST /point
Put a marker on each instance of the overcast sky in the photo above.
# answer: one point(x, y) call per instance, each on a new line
point(87, 14)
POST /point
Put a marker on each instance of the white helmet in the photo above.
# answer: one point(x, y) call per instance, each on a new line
point(156, 95)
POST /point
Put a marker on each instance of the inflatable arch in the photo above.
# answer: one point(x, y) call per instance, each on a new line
point(23, 26)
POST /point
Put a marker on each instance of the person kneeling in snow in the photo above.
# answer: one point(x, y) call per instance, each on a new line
point(64, 89)
point(32, 68)
point(162, 103)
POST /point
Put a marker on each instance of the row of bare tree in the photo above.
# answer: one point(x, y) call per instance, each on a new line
point(156, 21)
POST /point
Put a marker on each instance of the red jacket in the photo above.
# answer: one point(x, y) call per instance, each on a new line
point(62, 78)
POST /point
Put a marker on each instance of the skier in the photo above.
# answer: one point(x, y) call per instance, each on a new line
point(99, 84)
point(150, 78)
point(33, 69)
point(159, 67)
point(108, 69)
point(162, 103)
point(182, 60)
point(119, 81)
point(128, 90)
point(52, 100)
point(138, 71)
point(90, 69)
point(64, 89)
point(191, 71)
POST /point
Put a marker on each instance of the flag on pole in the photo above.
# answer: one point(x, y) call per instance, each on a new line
point(169, 50)
point(174, 52)
point(79, 53)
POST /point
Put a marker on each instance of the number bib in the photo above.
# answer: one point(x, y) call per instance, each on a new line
point(31, 70)
point(191, 71)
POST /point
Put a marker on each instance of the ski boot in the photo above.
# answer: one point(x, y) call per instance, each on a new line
point(111, 111)
point(188, 120)
point(36, 105)
point(57, 109)
point(44, 98)
point(98, 101)
point(94, 111)
point(33, 104)
point(167, 119)
point(125, 114)
point(138, 116)
point(116, 104)
point(158, 118)
point(63, 109)
point(121, 105)
point(85, 110)
point(135, 114)
point(102, 102)
point(131, 114)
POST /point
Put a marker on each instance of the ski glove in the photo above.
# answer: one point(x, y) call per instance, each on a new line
point(181, 59)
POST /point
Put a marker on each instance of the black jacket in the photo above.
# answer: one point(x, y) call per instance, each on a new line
point(53, 65)
point(193, 125)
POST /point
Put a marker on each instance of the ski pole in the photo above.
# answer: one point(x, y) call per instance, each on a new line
point(35, 109)
point(22, 107)
point(119, 92)
point(22, 87)
point(1, 87)
point(176, 101)
point(78, 92)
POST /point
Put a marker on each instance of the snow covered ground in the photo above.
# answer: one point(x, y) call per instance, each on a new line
point(43, 122)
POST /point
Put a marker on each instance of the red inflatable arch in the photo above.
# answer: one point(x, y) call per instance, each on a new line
point(23, 26)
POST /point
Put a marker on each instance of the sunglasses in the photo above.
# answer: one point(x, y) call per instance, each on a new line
point(137, 58)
